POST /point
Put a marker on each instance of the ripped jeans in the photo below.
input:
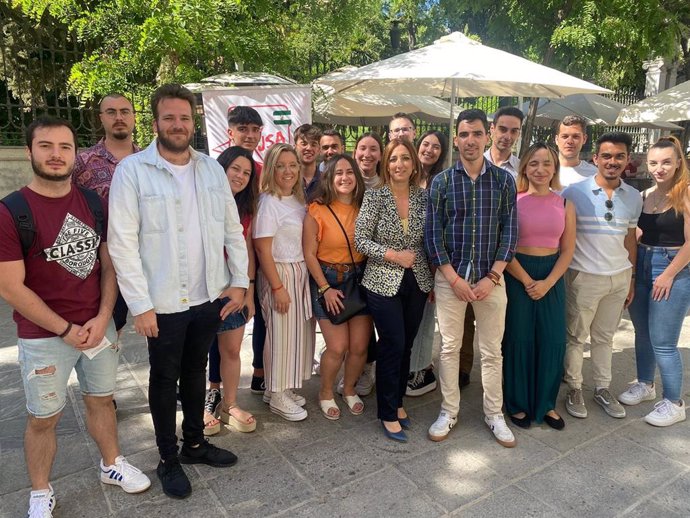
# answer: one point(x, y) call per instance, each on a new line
point(46, 365)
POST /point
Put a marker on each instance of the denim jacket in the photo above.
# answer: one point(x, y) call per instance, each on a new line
point(146, 237)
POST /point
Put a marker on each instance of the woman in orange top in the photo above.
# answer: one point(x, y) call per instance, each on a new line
point(326, 253)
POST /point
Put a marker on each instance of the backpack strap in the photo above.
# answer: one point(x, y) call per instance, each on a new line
point(96, 207)
point(23, 219)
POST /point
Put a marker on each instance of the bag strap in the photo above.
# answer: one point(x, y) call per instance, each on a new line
point(23, 219)
point(349, 249)
point(96, 207)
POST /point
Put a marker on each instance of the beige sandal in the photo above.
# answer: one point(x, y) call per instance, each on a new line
point(351, 402)
point(229, 419)
point(329, 404)
point(211, 424)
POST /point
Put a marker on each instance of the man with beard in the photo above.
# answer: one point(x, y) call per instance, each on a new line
point(402, 127)
point(95, 166)
point(62, 290)
point(601, 279)
point(176, 217)
point(505, 130)
point(471, 235)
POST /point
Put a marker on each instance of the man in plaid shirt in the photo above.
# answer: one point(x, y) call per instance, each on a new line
point(471, 235)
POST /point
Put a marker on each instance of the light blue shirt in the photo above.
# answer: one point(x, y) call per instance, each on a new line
point(600, 244)
point(146, 232)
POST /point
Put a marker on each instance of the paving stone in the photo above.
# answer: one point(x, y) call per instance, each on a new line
point(651, 508)
point(507, 502)
point(578, 491)
point(672, 442)
point(202, 502)
point(675, 495)
point(261, 488)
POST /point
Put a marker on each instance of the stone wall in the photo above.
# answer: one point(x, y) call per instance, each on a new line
point(15, 169)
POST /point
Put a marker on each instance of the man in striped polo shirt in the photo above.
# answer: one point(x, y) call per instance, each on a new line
point(600, 280)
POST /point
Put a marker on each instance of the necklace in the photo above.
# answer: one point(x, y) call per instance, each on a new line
point(658, 201)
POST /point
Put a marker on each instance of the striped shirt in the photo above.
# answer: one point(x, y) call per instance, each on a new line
point(471, 223)
point(600, 244)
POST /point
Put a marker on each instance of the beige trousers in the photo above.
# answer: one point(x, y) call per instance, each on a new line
point(594, 304)
point(490, 317)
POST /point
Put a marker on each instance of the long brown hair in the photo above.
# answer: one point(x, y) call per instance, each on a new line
point(523, 182)
point(416, 164)
point(681, 177)
point(325, 190)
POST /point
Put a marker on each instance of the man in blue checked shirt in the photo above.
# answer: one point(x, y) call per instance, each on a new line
point(471, 234)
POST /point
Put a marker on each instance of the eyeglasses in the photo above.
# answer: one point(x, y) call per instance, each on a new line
point(112, 113)
point(609, 205)
point(404, 129)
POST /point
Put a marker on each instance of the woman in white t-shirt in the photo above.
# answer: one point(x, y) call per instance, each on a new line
point(283, 283)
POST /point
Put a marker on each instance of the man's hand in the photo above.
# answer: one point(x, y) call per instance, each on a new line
point(631, 295)
point(463, 290)
point(482, 289)
point(94, 330)
point(236, 302)
point(75, 338)
point(146, 324)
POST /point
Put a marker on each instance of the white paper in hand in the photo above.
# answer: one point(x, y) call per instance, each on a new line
point(90, 353)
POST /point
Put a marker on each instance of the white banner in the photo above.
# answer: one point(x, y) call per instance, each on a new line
point(282, 110)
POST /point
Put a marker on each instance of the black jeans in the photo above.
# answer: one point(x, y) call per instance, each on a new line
point(397, 320)
point(180, 352)
point(258, 333)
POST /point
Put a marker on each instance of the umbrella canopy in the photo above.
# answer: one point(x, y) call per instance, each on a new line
point(456, 66)
point(595, 109)
point(371, 109)
point(670, 105)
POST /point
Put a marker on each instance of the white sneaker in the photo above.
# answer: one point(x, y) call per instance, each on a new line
point(123, 474)
point(365, 383)
point(666, 413)
point(441, 427)
point(298, 399)
point(283, 405)
point(42, 503)
point(502, 433)
point(637, 393)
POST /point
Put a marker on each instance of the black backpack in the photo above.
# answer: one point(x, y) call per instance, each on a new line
point(23, 218)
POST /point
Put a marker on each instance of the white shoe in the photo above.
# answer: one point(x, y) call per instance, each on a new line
point(502, 433)
point(637, 393)
point(42, 503)
point(365, 383)
point(123, 474)
point(283, 405)
point(299, 400)
point(441, 427)
point(666, 413)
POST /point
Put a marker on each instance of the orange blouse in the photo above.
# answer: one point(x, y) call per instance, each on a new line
point(332, 245)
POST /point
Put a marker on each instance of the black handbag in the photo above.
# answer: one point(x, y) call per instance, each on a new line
point(354, 299)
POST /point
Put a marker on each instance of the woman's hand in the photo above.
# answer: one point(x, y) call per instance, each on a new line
point(404, 258)
point(249, 304)
point(538, 289)
point(661, 287)
point(334, 301)
point(281, 300)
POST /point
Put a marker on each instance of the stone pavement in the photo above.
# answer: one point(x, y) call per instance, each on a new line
point(596, 467)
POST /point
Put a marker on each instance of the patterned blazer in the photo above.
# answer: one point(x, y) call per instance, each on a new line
point(378, 228)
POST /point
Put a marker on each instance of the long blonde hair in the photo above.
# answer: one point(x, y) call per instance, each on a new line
point(681, 177)
point(268, 179)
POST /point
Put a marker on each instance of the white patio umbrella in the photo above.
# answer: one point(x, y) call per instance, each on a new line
point(457, 66)
point(371, 109)
point(670, 105)
point(597, 110)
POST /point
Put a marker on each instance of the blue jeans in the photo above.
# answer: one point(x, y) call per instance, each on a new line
point(658, 323)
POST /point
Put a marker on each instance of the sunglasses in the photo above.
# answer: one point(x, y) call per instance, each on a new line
point(609, 205)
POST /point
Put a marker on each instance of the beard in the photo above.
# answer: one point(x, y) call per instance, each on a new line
point(173, 146)
point(122, 134)
point(51, 177)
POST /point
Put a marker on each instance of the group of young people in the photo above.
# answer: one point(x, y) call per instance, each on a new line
point(195, 248)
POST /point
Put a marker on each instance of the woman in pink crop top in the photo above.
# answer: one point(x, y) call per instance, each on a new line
point(534, 339)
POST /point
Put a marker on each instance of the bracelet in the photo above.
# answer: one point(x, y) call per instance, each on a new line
point(251, 281)
point(66, 331)
point(452, 284)
point(277, 289)
point(494, 274)
point(496, 283)
point(323, 289)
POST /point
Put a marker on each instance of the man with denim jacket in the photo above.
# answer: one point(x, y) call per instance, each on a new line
point(174, 216)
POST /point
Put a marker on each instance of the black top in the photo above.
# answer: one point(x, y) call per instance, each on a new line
point(664, 229)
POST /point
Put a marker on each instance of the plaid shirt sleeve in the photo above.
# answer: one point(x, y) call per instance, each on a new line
point(508, 222)
point(435, 221)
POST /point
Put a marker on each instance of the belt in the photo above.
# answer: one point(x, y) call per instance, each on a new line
point(660, 248)
point(340, 268)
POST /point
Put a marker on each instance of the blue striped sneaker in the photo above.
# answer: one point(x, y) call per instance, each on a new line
point(123, 474)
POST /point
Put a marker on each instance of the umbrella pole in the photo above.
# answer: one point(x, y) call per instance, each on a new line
point(451, 129)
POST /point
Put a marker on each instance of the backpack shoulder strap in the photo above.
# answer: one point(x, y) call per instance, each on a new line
point(23, 219)
point(96, 206)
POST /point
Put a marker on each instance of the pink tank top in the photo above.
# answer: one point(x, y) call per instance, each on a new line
point(541, 220)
